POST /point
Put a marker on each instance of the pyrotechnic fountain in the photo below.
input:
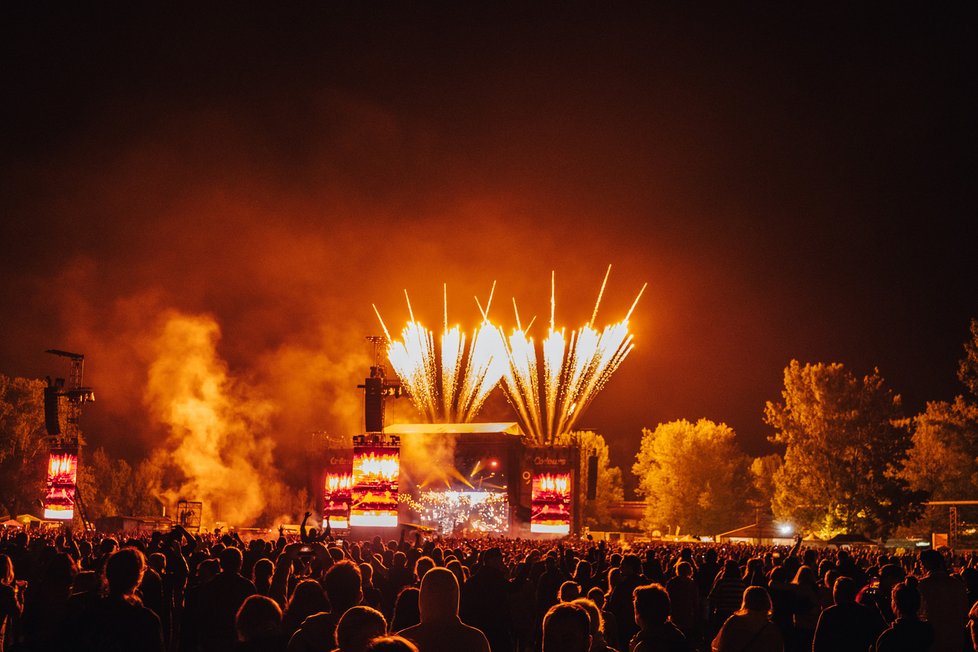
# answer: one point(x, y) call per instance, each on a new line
point(574, 370)
point(447, 383)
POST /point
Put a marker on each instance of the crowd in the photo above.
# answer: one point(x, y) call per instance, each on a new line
point(184, 592)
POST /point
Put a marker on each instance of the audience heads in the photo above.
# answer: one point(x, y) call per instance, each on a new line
point(651, 605)
point(259, 617)
point(406, 609)
point(844, 591)
point(684, 569)
point(932, 560)
point(631, 565)
point(124, 570)
point(439, 595)
point(391, 644)
point(342, 584)
point(264, 568)
point(357, 627)
point(756, 599)
point(906, 599)
point(308, 596)
point(593, 614)
point(569, 591)
point(208, 569)
point(596, 596)
point(230, 559)
point(566, 628)
point(6, 570)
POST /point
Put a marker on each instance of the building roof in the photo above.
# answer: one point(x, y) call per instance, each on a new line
point(507, 428)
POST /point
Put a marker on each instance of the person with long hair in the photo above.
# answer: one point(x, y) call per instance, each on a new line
point(11, 598)
point(750, 628)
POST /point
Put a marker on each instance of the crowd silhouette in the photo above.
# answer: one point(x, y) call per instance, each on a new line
point(213, 592)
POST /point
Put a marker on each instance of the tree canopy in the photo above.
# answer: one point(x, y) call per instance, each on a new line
point(843, 452)
point(693, 476)
point(23, 451)
point(610, 490)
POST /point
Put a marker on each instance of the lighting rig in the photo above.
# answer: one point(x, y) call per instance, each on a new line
point(64, 443)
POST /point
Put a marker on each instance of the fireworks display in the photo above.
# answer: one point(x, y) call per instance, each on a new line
point(59, 498)
point(447, 381)
point(550, 503)
point(374, 492)
point(548, 384)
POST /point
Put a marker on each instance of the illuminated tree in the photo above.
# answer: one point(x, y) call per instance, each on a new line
point(610, 490)
point(763, 471)
point(693, 476)
point(843, 452)
point(23, 451)
point(968, 366)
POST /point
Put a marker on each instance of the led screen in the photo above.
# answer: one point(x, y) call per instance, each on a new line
point(59, 498)
point(374, 495)
point(550, 503)
point(337, 494)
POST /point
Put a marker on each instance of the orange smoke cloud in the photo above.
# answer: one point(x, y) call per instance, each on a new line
point(217, 429)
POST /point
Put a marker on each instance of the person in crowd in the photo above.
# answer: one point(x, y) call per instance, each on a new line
point(750, 627)
point(684, 600)
point(391, 644)
point(725, 595)
point(568, 591)
point(566, 628)
point(656, 631)
point(218, 603)
point(119, 621)
point(308, 598)
point(610, 625)
point(482, 595)
point(342, 583)
point(805, 608)
point(907, 633)
point(357, 627)
point(621, 600)
point(944, 602)
point(11, 598)
point(259, 625)
point(598, 641)
point(407, 612)
point(440, 628)
point(847, 626)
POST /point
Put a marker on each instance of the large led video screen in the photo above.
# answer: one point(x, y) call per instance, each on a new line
point(464, 512)
point(374, 495)
point(337, 495)
point(59, 497)
point(550, 503)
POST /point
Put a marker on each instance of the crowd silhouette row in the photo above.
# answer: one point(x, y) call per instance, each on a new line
point(181, 592)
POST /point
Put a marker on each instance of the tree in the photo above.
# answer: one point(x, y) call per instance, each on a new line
point(23, 449)
point(693, 476)
point(610, 490)
point(968, 366)
point(843, 452)
point(763, 471)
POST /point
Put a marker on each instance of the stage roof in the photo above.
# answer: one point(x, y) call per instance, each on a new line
point(506, 428)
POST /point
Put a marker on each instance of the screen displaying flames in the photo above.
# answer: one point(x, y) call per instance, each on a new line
point(337, 495)
point(550, 503)
point(59, 498)
point(374, 495)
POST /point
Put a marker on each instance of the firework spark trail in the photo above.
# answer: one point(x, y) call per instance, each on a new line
point(449, 383)
point(574, 371)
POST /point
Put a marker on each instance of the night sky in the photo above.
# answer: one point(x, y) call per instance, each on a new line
point(791, 183)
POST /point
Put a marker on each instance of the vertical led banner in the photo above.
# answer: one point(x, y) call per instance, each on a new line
point(337, 489)
point(551, 492)
point(59, 498)
point(376, 467)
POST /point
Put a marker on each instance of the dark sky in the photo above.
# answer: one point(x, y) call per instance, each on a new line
point(791, 182)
